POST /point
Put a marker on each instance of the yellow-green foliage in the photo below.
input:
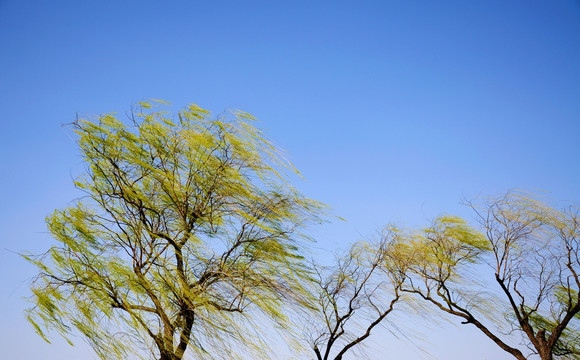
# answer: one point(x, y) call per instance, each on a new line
point(188, 231)
point(526, 249)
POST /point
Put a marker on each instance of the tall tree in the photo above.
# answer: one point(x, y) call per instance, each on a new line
point(530, 250)
point(188, 231)
point(354, 297)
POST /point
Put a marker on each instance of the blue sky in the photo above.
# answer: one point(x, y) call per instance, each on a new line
point(392, 110)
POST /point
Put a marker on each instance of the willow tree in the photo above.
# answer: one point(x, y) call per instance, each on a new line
point(354, 297)
point(529, 250)
point(188, 235)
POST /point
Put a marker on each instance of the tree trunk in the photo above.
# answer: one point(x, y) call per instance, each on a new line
point(545, 353)
point(168, 355)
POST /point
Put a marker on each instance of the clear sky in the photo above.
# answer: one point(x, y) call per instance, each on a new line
point(392, 110)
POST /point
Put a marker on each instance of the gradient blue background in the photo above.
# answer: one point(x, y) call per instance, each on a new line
point(392, 110)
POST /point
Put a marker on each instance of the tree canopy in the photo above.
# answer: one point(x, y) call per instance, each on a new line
point(186, 228)
point(355, 296)
point(529, 249)
point(189, 236)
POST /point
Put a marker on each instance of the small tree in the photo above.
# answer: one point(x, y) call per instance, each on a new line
point(187, 233)
point(354, 297)
point(533, 253)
